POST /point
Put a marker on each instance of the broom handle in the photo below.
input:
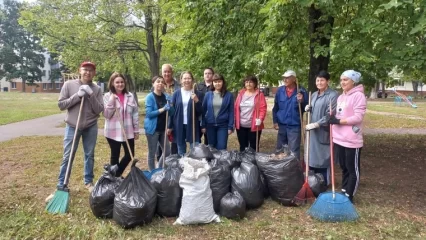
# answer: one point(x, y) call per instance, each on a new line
point(70, 158)
point(257, 116)
point(332, 154)
point(193, 116)
point(300, 115)
point(165, 137)
point(308, 137)
point(124, 134)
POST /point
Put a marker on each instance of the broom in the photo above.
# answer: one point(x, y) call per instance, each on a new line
point(257, 116)
point(60, 201)
point(332, 206)
point(193, 117)
point(305, 195)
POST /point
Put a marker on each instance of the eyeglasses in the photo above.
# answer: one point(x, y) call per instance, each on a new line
point(87, 70)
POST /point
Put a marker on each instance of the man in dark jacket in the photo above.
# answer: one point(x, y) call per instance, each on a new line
point(204, 87)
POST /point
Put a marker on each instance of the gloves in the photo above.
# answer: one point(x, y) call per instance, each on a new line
point(311, 126)
point(168, 97)
point(334, 120)
point(308, 108)
point(166, 107)
point(87, 89)
point(258, 121)
point(81, 92)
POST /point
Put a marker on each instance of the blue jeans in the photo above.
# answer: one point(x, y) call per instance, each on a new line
point(154, 140)
point(218, 137)
point(289, 135)
point(89, 136)
point(182, 146)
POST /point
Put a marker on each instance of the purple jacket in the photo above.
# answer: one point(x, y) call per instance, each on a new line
point(350, 106)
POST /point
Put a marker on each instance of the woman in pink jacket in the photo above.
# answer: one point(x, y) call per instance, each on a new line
point(347, 130)
point(119, 102)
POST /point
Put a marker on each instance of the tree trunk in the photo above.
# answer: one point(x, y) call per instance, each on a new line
point(320, 32)
point(23, 85)
point(154, 61)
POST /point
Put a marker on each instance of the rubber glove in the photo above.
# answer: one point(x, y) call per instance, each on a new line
point(311, 126)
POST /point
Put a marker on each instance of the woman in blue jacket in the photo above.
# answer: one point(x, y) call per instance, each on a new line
point(156, 106)
point(218, 113)
point(181, 123)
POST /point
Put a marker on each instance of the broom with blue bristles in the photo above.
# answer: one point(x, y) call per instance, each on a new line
point(60, 201)
point(332, 206)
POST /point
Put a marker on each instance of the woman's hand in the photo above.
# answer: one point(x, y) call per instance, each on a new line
point(203, 130)
point(136, 136)
point(229, 132)
point(276, 126)
point(169, 131)
point(194, 97)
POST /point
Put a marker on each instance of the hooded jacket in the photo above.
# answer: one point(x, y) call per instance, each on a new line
point(350, 106)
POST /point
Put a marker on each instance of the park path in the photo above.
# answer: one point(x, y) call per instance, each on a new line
point(47, 126)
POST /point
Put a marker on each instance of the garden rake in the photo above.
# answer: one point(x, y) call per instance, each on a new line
point(332, 206)
point(305, 195)
point(60, 201)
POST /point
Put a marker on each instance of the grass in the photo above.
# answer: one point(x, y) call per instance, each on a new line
point(17, 106)
point(29, 174)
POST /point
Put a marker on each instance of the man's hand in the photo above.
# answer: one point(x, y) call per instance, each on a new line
point(229, 132)
point(334, 120)
point(299, 97)
point(258, 121)
point(308, 108)
point(169, 131)
point(311, 126)
point(87, 89)
point(203, 130)
point(81, 92)
point(276, 126)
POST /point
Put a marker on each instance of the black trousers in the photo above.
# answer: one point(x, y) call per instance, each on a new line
point(173, 150)
point(247, 138)
point(349, 160)
point(115, 154)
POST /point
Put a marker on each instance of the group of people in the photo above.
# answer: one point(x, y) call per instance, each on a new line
point(181, 112)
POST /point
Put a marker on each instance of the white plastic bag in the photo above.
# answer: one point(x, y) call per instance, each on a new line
point(197, 200)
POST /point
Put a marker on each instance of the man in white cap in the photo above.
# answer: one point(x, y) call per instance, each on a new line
point(286, 115)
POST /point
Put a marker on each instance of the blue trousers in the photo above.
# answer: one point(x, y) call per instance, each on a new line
point(289, 135)
point(218, 137)
point(89, 136)
point(182, 147)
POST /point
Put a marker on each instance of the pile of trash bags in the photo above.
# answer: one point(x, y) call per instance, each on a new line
point(200, 187)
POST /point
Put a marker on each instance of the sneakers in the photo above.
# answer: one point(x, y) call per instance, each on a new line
point(89, 187)
point(47, 200)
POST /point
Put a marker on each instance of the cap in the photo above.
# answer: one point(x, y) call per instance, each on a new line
point(289, 73)
point(87, 63)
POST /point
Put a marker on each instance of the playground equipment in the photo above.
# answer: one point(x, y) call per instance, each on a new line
point(70, 76)
point(400, 99)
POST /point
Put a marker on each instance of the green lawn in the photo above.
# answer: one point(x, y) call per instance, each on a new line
point(388, 209)
point(17, 106)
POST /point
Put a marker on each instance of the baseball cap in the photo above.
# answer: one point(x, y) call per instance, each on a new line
point(87, 63)
point(289, 73)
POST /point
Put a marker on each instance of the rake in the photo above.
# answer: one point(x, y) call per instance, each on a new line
point(305, 195)
point(332, 206)
point(61, 199)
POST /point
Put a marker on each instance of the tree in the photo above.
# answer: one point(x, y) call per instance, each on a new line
point(20, 52)
point(118, 35)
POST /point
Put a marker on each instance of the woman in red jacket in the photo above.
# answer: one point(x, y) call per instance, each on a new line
point(250, 112)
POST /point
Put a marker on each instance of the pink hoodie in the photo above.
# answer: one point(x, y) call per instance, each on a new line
point(350, 106)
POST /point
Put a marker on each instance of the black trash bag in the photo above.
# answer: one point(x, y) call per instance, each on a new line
point(232, 159)
point(233, 206)
point(172, 161)
point(200, 151)
point(169, 193)
point(101, 198)
point(317, 183)
point(220, 182)
point(216, 153)
point(246, 180)
point(135, 200)
point(283, 175)
point(264, 186)
point(248, 155)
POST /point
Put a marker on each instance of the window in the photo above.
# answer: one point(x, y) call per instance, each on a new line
point(44, 86)
point(58, 85)
point(50, 85)
point(44, 73)
point(13, 85)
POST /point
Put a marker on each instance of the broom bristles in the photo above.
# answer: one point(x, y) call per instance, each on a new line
point(59, 203)
point(329, 208)
point(305, 195)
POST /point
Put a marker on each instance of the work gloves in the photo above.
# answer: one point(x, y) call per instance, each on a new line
point(166, 107)
point(168, 97)
point(258, 121)
point(83, 90)
point(311, 126)
point(334, 120)
point(308, 108)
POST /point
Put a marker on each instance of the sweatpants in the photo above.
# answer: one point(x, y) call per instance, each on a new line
point(115, 154)
point(349, 160)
